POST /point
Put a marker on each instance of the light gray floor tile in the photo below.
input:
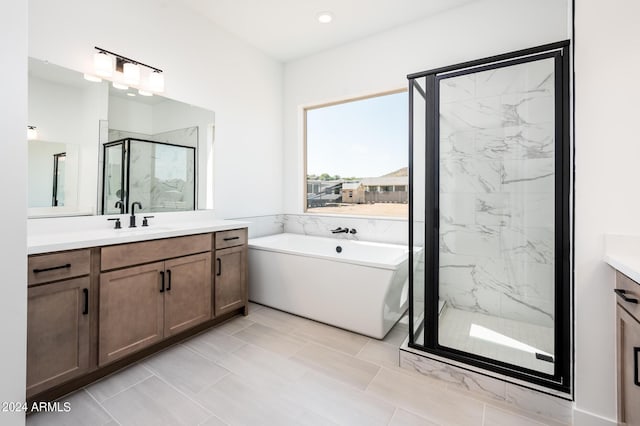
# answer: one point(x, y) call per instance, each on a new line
point(339, 402)
point(254, 362)
point(404, 418)
point(335, 338)
point(380, 354)
point(154, 402)
point(185, 369)
point(117, 382)
point(234, 325)
point(240, 401)
point(342, 367)
point(428, 398)
point(496, 417)
point(270, 339)
point(84, 411)
point(254, 307)
point(213, 421)
point(214, 344)
point(278, 320)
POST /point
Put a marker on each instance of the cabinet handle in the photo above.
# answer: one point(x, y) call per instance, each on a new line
point(168, 279)
point(636, 379)
point(219, 267)
point(162, 281)
point(623, 293)
point(53, 268)
point(231, 238)
point(85, 292)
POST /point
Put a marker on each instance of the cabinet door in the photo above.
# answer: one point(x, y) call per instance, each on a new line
point(187, 299)
point(131, 310)
point(628, 365)
point(57, 333)
point(230, 279)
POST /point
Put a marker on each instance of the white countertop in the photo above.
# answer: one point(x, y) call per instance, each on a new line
point(43, 241)
point(622, 252)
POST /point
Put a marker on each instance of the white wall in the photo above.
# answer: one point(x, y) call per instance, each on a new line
point(203, 65)
point(70, 115)
point(13, 250)
point(607, 61)
point(381, 62)
point(130, 116)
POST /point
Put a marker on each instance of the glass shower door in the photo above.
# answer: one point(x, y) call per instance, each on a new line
point(113, 190)
point(497, 224)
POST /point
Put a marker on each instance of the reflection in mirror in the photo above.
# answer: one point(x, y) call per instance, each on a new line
point(78, 117)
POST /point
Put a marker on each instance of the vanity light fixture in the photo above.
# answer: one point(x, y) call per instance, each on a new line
point(120, 86)
point(324, 17)
point(126, 71)
point(144, 93)
point(32, 133)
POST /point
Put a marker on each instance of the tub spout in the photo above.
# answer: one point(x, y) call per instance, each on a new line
point(340, 230)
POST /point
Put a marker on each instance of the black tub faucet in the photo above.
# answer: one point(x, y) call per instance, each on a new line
point(340, 230)
point(132, 218)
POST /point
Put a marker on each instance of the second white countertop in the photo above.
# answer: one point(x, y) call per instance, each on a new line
point(622, 252)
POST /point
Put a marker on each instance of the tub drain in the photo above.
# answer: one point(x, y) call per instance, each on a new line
point(339, 249)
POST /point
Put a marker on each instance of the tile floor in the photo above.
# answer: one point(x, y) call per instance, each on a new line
point(272, 368)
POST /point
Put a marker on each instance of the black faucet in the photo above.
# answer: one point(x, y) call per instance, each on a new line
point(120, 204)
point(340, 230)
point(132, 219)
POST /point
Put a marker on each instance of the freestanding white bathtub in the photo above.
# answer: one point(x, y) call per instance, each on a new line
point(356, 285)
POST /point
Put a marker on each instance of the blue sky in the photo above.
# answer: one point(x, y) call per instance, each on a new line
point(363, 138)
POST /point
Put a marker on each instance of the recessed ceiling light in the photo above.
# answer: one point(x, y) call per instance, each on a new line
point(325, 17)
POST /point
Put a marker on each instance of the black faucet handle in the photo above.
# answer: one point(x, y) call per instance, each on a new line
point(117, 225)
point(353, 231)
point(145, 222)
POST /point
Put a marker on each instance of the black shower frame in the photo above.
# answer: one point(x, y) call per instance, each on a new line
point(561, 380)
point(56, 163)
point(126, 142)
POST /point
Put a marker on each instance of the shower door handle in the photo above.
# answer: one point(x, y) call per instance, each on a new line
point(623, 294)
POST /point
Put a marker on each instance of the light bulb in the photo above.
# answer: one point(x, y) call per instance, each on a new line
point(156, 82)
point(103, 64)
point(92, 78)
point(32, 133)
point(120, 86)
point(144, 93)
point(131, 73)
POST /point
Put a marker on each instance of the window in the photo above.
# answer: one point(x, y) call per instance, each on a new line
point(357, 156)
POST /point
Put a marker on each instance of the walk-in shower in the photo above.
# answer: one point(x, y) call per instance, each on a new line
point(490, 207)
point(161, 176)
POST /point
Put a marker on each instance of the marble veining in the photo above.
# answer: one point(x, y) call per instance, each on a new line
point(497, 185)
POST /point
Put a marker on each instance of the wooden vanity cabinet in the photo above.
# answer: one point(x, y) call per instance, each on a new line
point(628, 341)
point(59, 317)
point(230, 271)
point(142, 305)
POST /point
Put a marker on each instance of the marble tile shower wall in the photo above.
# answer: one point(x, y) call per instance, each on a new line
point(497, 192)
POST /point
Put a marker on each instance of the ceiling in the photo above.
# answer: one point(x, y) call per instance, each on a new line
point(289, 29)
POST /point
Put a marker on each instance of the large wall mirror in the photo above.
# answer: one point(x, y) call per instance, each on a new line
point(97, 149)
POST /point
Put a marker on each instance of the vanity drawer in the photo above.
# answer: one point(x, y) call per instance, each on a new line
point(234, 237)
point(120, 256)
point(58, 266)
point(627, 288)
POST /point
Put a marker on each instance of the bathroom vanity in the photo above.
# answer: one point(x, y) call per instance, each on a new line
point(623, 254)
point(125, 295)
